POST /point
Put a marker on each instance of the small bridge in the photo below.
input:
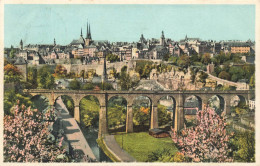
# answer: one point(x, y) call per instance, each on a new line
point(178, 98)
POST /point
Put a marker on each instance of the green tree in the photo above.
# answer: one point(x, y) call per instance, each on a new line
point(89, 111)
point(252, 81)
point(112, 58)
point(116, 116)
point(205, 58)
point(12, 74)
point(88, 86)
point(74, 84)
point(12, 98)
point(60, 71)
point(224, 75)
point(202, 77)
point(245, 143)
point(141, 116)
point(184, 61)
point(163, 116)
point(45, 78)
point(32, 77)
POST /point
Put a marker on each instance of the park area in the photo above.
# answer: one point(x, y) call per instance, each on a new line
point(141, 145)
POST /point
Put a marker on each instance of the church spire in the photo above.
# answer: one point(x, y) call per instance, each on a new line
point(81, 33)
point(89, 32)
point(54, 42)
point(104, 75)
point(21, 44)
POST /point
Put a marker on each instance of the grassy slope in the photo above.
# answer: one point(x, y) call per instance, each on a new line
point(139, 145)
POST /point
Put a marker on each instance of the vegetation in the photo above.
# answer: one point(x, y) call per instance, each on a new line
point(11, 74)
point(27, 138)
point(164, 117)
point(74, 84)
point(68, 103)
point(141, 116)
point(89, 111)
point(207, 142)
point(45, 78)
point(32, 77)
point(141, 145)
point(112, 58)
point(243, 146)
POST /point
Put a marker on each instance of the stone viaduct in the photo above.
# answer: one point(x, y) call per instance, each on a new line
point(178, 98)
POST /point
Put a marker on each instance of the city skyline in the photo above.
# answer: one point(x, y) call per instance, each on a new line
point(127, 22)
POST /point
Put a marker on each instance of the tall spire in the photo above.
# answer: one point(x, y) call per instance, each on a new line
point(87, 31)
point(54, 42)
point(81, 33)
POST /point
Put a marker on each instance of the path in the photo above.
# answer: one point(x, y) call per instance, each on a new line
point(72, 131)
point(117, 150)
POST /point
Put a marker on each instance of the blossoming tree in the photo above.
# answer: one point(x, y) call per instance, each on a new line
point(27, 138)
point(207, 142)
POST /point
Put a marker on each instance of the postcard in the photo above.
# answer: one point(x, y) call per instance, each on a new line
point(131, 82)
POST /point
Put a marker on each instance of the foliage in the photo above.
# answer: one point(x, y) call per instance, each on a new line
point(27, 138)
point(60, 71)
point(202, 77)
point(205, 59)
point(45, 79)
point(112, 58)
point(144, 68)
point(11, 73)
point(116, 116)
point(252, 81)
point(68, 103)
point(88, 86)
point(11, 98)
point(141, 116)
point(74, 84)
point(207, 142)
point(32, 77)
point(244, 143)
point(125, 81)
point(224, 75)
point(166, 57)
point(89, 111)
point(163, 116)
point(184, 61)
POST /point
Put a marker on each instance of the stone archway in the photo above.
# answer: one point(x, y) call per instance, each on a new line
point(143, 116)
point(116, 114)
point(166, 109)
point(218, 103)
point(192, 104)
point(89, 108)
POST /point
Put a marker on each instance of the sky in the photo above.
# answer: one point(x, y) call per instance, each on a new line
point(40, 24)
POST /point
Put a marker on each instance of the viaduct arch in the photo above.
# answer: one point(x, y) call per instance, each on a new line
point(154, 96)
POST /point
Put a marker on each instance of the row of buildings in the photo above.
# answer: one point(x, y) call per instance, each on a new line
point(91, 51)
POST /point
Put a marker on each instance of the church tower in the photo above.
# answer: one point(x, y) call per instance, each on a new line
point(54, 42)
point(88, 35)
point(21, 45)
point(162, 40)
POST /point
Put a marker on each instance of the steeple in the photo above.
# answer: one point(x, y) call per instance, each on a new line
point(162, 35)
point(162, 40)
point(54, 43)
point(21, 44)
point(89, 32)
point(186, 38)
point(81, 33)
